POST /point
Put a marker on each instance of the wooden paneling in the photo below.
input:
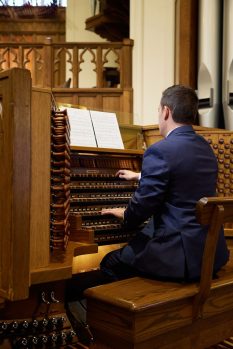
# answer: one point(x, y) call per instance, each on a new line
point(111, 103)
point(40, 178)
point(132, 136)
point(108, 99)
point(15, 159)
point(16, 28)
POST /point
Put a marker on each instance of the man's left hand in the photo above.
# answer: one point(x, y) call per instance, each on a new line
point(117, 212)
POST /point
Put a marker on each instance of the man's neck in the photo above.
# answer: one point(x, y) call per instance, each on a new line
point(172, 128)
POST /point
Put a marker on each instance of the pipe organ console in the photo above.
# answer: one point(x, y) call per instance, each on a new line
point(50, 202)
point(34, 210)
point(51, 196)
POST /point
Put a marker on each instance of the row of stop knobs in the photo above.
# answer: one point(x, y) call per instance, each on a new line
point(33, 326)
point(53, 340)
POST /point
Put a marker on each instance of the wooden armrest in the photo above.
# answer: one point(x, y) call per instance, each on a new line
point(213, 211)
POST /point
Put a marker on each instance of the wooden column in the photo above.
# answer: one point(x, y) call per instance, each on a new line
point(126, 64)
point(186, 42)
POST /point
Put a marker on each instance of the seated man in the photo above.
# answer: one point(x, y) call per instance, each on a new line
point(176, 173)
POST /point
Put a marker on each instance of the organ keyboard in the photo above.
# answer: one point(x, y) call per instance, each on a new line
point(94, 185)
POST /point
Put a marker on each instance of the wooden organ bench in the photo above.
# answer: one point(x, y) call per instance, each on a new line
point(143, 313)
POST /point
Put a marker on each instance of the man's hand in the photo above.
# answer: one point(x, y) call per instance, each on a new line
point(128, 175)
point(117, 212)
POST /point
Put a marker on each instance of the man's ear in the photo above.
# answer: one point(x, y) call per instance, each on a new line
point(166, 112)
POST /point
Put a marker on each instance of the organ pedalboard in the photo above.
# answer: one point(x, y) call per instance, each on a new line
point(40, 323)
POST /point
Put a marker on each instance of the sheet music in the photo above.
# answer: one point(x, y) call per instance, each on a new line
point(81, 129)
point(106, 130)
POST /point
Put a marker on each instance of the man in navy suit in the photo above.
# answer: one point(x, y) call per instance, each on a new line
point(176, 173)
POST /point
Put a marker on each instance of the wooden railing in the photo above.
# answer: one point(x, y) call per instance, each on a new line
point(51, 64)
point(86, 68)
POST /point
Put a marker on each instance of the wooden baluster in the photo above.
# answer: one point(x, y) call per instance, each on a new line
point(48, 66)
point(20, 57)
point(75, 70)
point(99, 67)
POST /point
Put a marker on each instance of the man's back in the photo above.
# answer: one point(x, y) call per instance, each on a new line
point(192, 165)
point(177, 172)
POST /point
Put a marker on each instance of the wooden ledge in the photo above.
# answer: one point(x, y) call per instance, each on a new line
point(60, 266)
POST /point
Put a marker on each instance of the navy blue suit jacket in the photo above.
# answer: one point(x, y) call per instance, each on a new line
point(176, 173)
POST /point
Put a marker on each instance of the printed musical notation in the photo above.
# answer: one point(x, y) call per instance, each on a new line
point(94, 128)
point(106, 130)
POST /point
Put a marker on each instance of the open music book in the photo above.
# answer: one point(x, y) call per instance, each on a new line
point(94, 129)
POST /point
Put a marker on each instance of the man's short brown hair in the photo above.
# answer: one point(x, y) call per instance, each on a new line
point(183, 103)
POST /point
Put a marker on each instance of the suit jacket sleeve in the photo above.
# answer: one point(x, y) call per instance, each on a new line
point(150, 194)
